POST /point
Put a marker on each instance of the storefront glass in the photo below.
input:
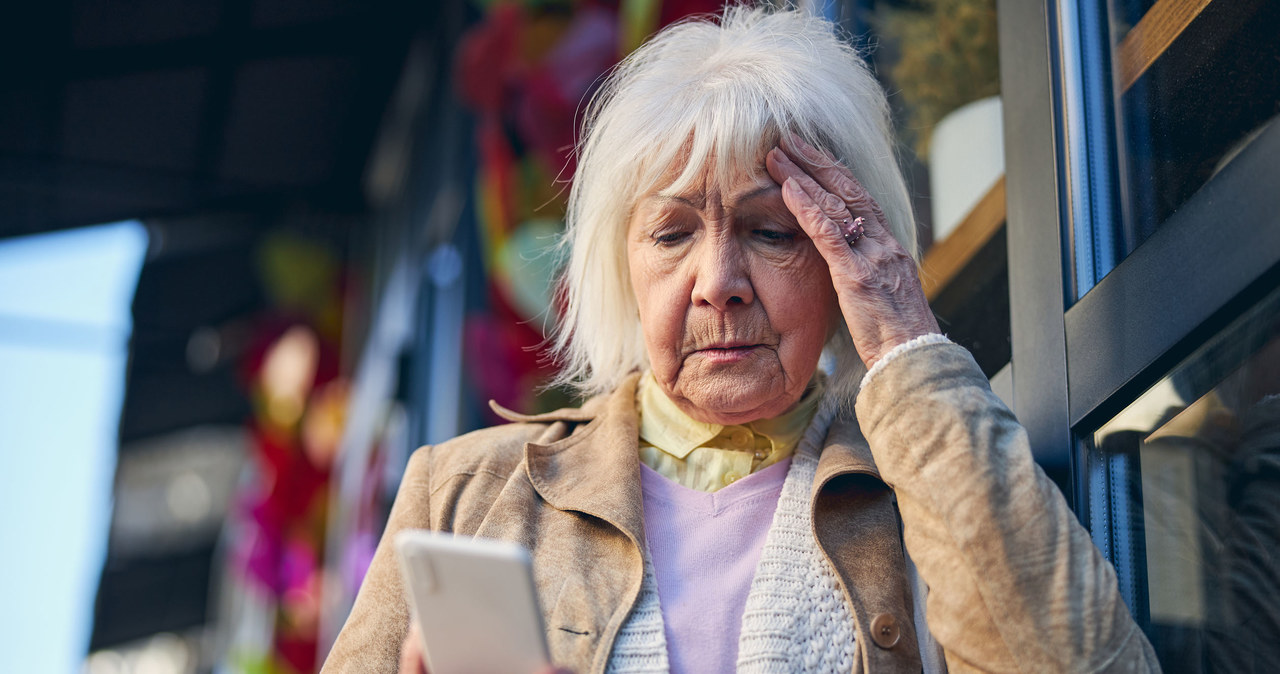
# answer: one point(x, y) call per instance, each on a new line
point(1195, 82)
point(940, 61)
point(1186, 486)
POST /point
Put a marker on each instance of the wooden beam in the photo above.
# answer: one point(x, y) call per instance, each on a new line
point(947, 258)
point(1158, 28)
point(1145, 42)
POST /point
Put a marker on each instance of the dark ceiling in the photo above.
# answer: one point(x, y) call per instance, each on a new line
point(214, 121)
point(114, 109)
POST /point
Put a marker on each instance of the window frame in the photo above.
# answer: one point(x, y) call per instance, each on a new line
point(1076, 363)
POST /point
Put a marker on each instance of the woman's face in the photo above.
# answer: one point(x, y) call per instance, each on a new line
point(735, 301)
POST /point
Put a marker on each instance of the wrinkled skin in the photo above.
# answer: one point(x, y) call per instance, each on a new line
point(875, 279)
point(738, 288)
point(737, 285)
point(735, 301)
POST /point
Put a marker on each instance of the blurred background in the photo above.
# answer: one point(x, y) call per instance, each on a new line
point(253, 252)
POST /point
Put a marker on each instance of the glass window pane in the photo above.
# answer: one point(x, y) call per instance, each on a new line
point(1195, 82)
point(939, 59)
point(1184, 497)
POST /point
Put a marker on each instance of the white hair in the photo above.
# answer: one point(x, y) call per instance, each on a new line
point(710, 94)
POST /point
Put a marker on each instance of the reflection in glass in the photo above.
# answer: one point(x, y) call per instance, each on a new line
point(1193, 89)
point(940, 58)
point(1188, 478)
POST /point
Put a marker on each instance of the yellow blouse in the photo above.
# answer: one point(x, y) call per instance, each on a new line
point(707, 457)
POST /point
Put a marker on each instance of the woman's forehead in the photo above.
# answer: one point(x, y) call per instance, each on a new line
point(744, 190)
point(694, 182)
point(707, 151)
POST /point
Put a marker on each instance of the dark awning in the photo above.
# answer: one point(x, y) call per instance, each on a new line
point(112, 110)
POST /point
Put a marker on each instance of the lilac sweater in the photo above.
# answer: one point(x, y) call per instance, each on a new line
point(704, 548)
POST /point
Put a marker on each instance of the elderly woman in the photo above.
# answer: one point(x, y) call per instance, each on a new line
point(721, 503)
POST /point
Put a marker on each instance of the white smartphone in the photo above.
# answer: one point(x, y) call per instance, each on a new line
point(475, 603)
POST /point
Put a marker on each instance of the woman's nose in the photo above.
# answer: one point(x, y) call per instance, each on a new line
point(722, 275)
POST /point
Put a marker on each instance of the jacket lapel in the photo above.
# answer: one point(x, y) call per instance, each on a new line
point(845, 451)
point(857, 526)
point(596, 469)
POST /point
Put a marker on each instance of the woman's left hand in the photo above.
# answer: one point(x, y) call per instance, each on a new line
point(875, 278)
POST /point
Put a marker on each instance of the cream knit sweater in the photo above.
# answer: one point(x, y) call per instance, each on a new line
point(796, 619)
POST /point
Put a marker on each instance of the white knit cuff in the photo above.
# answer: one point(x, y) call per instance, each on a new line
point(922, 340)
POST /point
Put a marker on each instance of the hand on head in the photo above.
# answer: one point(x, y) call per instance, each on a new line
point(875, 278)
point(734, 302)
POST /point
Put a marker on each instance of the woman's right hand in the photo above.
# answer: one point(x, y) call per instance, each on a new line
point(876, 280)
point(412, 660)
point(411, 657)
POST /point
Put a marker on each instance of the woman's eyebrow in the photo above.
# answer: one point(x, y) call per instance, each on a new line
point(761, 191)
point(665, 198)
point(697, 201)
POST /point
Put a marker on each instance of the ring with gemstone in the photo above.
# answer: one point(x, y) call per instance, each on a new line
point(854, 231)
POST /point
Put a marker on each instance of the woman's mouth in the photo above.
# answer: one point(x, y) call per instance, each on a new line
point(729, 354)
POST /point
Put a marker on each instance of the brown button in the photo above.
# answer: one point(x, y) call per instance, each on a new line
point(885, 631)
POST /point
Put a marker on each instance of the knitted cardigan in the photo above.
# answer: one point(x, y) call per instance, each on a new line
point(795, 618)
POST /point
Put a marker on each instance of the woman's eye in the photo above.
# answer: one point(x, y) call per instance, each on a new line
point(670, 238)
point(773, 235)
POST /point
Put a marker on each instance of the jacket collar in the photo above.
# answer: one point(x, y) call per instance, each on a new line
point(845, 452)
point(596, 468)
point(586, 412)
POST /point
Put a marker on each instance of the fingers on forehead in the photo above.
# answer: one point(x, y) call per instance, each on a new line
point(809, 151)
point(800, 203)
point(841, 182)
point(820, 228)
point(779, 157)
point(802, 178)
point(859, 202)
point(834, 191)
point(831, 205)
point(828, 172)
point(822, 175)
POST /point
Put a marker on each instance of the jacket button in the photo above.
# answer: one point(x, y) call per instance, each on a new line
point(885, 631)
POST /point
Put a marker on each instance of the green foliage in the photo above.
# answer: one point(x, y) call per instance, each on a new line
point(949, 56)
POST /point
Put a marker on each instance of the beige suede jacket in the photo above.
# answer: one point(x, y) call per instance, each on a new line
point(934, 461)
